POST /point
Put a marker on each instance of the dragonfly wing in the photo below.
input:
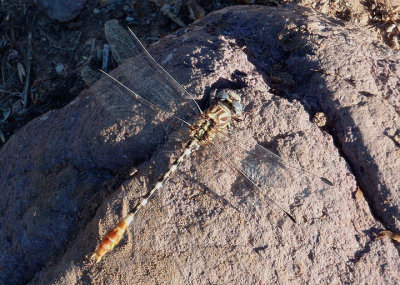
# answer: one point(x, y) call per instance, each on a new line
point(261, 165)
point(140, 74)
point(221, 179)
point(279, 182)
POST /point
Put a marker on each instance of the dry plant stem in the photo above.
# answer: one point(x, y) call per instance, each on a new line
point(74, 48)
point(28, 70)
point(106, 52)
point(165, 9)
point(3, 78)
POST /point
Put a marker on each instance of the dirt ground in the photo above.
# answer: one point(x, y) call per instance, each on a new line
point(45, 44)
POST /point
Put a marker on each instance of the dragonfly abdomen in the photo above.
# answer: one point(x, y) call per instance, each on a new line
point(113, 237)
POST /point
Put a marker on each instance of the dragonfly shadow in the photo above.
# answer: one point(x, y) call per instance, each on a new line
point(217, 197)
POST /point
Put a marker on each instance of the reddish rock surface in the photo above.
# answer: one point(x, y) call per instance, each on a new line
point(60, 195)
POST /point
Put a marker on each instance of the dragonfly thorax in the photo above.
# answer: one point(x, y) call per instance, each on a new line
point(216, 118)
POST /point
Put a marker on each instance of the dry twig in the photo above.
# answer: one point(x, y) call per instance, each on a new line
point(28, 70)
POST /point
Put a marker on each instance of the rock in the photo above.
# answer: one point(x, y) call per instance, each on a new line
point(96, 11)
point(61, 10)
point(60, 194)
point(60, 68)
point(129, 19)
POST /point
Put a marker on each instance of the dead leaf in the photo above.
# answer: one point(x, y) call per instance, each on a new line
point(195, 10)
point(359, 194)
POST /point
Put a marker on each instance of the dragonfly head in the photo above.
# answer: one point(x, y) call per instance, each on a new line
point(231, 100)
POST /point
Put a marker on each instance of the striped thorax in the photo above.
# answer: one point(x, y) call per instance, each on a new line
point(217, 118)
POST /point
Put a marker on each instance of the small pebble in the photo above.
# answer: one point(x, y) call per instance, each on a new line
point(319, 119)
point(396, 138)
point(129, 19)
point(60, 68)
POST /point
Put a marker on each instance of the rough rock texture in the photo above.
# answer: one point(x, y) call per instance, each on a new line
point(59, 195)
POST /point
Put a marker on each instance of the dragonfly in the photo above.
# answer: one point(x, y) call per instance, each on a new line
point(153, 87)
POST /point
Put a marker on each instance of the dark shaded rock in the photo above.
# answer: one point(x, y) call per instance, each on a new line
point(61, 10)
point(56, 174)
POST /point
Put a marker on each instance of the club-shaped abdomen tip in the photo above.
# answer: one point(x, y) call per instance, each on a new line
point(112, 238)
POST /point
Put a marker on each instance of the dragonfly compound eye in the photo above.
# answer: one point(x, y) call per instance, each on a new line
point(237, 107)
point(222, 96)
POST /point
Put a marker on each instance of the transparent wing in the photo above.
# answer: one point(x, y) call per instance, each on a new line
point(261, 165)
point(140, 75)
point(262, 177)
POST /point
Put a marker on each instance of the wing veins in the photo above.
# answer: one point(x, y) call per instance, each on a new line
point(143, 99)
point(224, 156)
